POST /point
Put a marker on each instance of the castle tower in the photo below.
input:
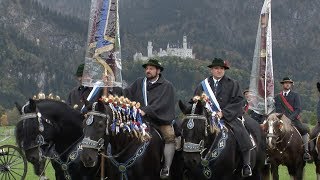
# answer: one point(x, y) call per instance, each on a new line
point(149, 48)
point(185, 42)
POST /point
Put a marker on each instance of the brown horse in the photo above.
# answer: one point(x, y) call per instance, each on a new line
point(315, 149)
point(284, 146)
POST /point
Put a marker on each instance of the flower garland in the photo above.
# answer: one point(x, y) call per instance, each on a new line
point(215, 123)
point(126, 117)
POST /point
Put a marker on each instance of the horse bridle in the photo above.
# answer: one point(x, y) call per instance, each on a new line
point(190, 147)
point(92, 144)
point(272, 135)
point(40, 139)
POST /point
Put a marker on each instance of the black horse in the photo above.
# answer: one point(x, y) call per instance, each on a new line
point(210, 153)
point(128, 157)
point(52, 129)
point(284, 146)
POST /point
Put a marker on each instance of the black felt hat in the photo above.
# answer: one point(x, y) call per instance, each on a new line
point(80, 70)
point(153, 62)
point(219, 62)
point(286, 79)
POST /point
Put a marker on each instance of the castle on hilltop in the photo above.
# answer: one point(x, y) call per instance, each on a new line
point(184, 52)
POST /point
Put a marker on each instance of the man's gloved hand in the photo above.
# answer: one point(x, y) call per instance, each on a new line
point(318, 86)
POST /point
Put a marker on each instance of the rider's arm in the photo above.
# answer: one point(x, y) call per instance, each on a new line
point(234, 107)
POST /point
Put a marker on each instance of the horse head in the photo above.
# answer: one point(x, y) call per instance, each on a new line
point(30, 134)
point(96, 130)
point(277, 126)
point(195, 132)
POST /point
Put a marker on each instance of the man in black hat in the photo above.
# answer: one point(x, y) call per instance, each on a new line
point(156, 96)
point(228, 94)
point(288, 102)
point(78, 93)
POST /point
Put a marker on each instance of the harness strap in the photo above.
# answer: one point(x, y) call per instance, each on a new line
point(123, 167)
point(213, 154)
point(65, 165)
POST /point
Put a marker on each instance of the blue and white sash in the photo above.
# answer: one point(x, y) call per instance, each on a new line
point(208, 90)
point(144, 91)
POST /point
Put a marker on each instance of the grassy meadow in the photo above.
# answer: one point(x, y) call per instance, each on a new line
point(308, 175)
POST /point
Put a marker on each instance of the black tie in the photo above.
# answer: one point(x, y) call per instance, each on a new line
point(285, 94)
point(216, 87)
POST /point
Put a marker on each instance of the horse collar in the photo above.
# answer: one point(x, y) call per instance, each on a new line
point(70, 158)
point(213, 154)
point(123, 167)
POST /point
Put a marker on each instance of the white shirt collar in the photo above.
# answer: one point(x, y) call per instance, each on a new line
point(216, 80)
point(152, 82)
point(283, 92)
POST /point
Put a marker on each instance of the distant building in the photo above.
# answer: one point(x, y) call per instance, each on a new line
point(172, 50)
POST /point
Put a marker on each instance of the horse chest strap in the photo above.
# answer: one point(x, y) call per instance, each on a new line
point(122, 167)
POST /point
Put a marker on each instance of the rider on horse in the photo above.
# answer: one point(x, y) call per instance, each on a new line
point(156, 96)
point(78, 93)
point(288, 103)
point(229, 97)
point(316, 129)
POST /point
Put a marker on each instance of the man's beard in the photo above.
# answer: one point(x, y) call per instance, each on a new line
point(150, 76)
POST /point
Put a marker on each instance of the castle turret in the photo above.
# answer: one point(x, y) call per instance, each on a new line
point(184, 42)
point(150, 49)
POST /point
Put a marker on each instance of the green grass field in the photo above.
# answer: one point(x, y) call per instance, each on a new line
point(308, 175)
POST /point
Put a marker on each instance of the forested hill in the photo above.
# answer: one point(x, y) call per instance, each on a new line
point(42, 41)
point(224, 28)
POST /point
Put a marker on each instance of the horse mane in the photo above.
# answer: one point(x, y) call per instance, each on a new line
point(60, 106)
point(286, 121)
point(59, 113)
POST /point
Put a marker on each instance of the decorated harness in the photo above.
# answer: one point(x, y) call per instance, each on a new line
point(126, 118)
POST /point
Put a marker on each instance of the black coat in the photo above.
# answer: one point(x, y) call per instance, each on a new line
point(293, 99)
point(161, 100)
point(229, 97)
point(231, 103)
point(76, 96)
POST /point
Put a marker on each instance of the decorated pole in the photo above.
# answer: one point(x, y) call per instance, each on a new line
point(261, 80)
point(103, 55)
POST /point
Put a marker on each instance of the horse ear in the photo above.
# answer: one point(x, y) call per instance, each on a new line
point(19, 107)
point(32, 105)
point(182, 107)
point(281, 125)
point(279, 115)
point(100, 106)
point(263, 126)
